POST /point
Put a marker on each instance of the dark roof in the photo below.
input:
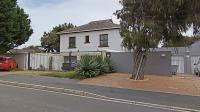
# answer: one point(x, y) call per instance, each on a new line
point(93, 26)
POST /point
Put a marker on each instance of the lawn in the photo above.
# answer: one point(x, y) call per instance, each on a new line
point(58, 74)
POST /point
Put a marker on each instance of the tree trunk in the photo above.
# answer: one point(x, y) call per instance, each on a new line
point(139, 58)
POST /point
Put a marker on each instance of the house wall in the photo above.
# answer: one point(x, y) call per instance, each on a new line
point(114, 41)
point(195, 49)
point(158, 63)
point(38, 59)
point(21, 60)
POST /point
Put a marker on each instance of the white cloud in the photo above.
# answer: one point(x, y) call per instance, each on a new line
point(78, 12)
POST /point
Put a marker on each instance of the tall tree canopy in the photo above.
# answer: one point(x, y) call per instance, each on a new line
point(147, 23)
point(33, 49)
point(185, 42)
point(50, 41)
point(15, 26)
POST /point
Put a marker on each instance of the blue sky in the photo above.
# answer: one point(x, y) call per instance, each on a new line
point(46, 14)
point(38, 3)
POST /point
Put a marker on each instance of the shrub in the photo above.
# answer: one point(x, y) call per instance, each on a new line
point(87, 67)
point(110, 68)
point(91, 66)
point(41, 68)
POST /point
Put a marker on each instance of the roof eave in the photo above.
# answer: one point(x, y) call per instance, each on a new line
point(60, 33)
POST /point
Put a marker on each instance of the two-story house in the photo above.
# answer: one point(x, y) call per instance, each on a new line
point(94, 36)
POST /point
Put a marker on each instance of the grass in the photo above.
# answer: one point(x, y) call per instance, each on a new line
point(69, 74)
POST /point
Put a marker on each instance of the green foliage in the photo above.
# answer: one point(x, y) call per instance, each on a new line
point(15, 26)
point(147, 23)
point(41, 68)
point(91, 66)
point(33, 49)
point(87, 67)
point(110, 67)
point(50, 41)
point(185, 42)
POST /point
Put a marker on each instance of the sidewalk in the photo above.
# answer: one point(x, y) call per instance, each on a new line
point(128, 94)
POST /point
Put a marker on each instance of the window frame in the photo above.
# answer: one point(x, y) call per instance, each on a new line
point(87, 41)
point(72, 44)
point(103, 40)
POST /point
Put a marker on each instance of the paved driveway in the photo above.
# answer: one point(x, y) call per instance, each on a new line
point(187, 85)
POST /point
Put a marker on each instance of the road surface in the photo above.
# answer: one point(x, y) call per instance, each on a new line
point(13, 99)
point(184, 101)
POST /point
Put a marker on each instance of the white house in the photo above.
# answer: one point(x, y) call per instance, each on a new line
point(94, 36)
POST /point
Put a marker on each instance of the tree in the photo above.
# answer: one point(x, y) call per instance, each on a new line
point(33, 49)
point(147, 23)
point(50, 41)
point(185, 42)
point(15, 26)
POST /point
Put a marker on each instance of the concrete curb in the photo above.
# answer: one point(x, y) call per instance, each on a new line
point(96, 96)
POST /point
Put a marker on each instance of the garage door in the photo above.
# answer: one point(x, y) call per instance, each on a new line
point(194, 60)
point(178, 60)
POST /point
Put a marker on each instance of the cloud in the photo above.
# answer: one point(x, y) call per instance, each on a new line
point(47, 15)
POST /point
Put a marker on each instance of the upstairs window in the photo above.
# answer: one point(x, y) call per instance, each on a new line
point(87, 39)
point(103, 40)
point(72, 42)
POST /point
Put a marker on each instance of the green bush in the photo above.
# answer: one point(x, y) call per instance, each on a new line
point(41, 68)
point(110, 68)
point(91, 66)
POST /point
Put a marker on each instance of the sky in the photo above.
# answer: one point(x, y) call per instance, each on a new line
point(45, 14)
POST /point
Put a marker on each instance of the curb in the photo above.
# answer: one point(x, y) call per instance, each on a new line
point(95, 96)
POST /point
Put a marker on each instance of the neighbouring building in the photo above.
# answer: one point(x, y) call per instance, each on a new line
point(184, 57)
point(94, 36)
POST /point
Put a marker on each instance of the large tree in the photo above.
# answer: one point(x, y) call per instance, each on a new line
point(15, 26)
point(185, 42)
point(50, 41)
point(33, 49)
point(147, 23)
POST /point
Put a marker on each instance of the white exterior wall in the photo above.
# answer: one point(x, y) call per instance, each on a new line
point(178, 60)
point(114, 41)
point(37, 59)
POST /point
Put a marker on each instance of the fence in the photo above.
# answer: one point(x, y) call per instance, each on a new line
point(158, 63)
point(48, 61)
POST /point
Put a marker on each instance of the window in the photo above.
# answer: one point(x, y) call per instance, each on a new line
point(72, 42)
point(103, 40)
point(87, 39)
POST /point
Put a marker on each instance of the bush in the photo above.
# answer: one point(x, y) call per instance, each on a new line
point(41, 68)
point(91, 66)
point(110, 68)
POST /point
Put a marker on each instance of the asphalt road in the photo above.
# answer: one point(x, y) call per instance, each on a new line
point(14, 99)
point(184, 101)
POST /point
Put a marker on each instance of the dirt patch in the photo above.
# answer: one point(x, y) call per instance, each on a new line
point(187, 85)
point(4, 73)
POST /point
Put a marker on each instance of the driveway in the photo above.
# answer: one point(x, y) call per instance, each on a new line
point(184, 101)
point(186, 85)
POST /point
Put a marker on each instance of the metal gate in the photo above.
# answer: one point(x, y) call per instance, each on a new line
point(194, 60)
point(178, 60)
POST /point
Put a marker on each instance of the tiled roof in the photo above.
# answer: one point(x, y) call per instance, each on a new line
point(93, 26)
